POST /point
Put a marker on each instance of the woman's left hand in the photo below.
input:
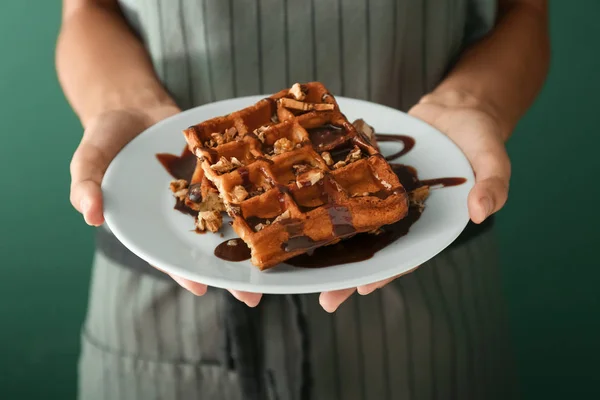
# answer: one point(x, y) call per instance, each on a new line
point(477, 129)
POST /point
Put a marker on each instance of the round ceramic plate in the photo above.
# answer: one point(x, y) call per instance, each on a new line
point(139, 208)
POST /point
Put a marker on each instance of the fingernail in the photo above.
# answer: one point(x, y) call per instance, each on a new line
point(488, 206)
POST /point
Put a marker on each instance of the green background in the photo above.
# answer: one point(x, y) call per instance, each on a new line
point(548, 230)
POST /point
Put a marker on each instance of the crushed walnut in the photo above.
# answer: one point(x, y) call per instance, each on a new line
point(327, 158)
point(232, 242)
point(300, 168)
point(217, 138)
point(309, 178)
point(339, 164)
point(302, 106)
point(385, 184)
point(260, 133)
point(261, 226)
point(376, 232)
point(225, 165)
point(239, 194)
point(209, 220)
point(283, 145)
point(297, 92)
point(418, 196)
point(285, 215)
point(230, 134)
point(354, 155)
point(233, 210)
point(179, 188)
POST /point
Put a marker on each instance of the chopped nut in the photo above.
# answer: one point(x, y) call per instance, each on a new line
point(385, 184)
point(218, 138)
point(376, 232)
point(209, 220)
point(239, 194)
point(327, 158)
point(284, 215)
point(179, 188)
point(283, 145)
point(232, 242)
point(354, 155)
point(230, 134)
point(260, 132)
point(418, 196)
point(309, 178)
point(210, 143)
point(296, 91)
point(259, 227)
point(225, 165)
point(233, 210)
point(300, 168)
point(339, 164)
point(302, 106)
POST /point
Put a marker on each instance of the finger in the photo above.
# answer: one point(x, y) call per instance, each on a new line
point(330, 301)
point(86, 197)
point(251, 299)
point(371, 287)
point(490, 192)
point(87, 169)
point(196, 288)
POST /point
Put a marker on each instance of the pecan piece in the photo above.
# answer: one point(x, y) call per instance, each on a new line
point(339, 164)
point(179, 188)
point(302, 106)
point(285, 215)
point(225, 165)
point(327, 158)
point(283, 145)
point(354, 155)
point(239, 194)
point(260, 133)
point(297, 92)
point(217, 138)
point(309, 177)
point(209, 220)
point(230, 134)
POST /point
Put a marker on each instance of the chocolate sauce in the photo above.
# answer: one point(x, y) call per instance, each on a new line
point(181, 207)
point(179, 167)
point(355, 247)
point(408, 142)
point(358, 248)
point(444, 182)
point(364, 245)
point(326, 135)
point(233, 250)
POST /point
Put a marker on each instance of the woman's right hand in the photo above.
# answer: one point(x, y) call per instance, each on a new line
point(103, 138)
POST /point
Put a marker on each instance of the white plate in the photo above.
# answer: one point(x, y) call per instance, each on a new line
point(139, 210)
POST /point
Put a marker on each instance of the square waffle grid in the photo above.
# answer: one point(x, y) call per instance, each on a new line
point(294, 174)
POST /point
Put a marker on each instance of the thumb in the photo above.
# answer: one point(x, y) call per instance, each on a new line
point(490, 192)
point(87, 169)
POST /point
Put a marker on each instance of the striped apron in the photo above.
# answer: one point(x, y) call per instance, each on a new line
point(437, 333)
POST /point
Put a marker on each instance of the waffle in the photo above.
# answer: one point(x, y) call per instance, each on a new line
point(295, 175)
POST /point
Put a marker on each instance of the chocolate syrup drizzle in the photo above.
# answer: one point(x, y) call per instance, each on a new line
point(354, 247)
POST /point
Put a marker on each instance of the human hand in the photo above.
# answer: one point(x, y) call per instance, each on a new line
point(102, 140)
point(475, 127)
